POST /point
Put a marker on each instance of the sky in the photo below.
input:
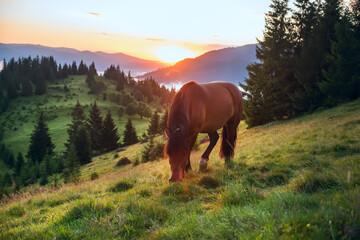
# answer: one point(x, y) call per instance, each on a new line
point(165, 30)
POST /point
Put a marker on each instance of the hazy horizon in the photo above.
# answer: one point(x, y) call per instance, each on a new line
point(157, 30)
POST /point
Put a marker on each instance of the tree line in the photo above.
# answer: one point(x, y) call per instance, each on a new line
point(28, 76)
point(309, 58)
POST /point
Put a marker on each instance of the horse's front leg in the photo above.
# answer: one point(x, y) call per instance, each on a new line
point(192, 141)
point(214, 136)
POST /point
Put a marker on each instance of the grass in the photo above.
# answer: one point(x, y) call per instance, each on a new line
point(297, 179)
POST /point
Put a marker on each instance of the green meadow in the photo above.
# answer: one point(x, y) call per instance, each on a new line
point(19, 120)
point(296, 179)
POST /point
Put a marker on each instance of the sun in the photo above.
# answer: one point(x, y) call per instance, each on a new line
point(173, 54)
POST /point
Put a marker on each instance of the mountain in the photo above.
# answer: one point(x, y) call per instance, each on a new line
point(68, 55)
point(228, 64)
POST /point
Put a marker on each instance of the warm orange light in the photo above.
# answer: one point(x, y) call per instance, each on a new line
point(173, 54)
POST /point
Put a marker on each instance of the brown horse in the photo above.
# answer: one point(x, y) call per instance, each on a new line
point(201, 108)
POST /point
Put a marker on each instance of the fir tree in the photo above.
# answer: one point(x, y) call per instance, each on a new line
point(90, 80)
point(83, 145)
point(74, 68)
point(40, 85)
point(83, 69)
point(45, 170)
point(130, 136)
point(154, 124)
point(26, 87)
point(78, 118)
point(71, 172)
point(163, 121)
point(271, 80)
point(110, 135)
point(145, 153)
point(95, 123)
point(92, 69)
point(19, 163)
point(40, 141)
point(342, 77)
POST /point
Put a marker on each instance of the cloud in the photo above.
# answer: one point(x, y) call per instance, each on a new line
point(94, 14)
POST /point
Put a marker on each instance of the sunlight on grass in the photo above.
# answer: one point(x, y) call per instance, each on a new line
point(295, 179)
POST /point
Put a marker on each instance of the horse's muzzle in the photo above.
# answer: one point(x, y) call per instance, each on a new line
point(177, 176)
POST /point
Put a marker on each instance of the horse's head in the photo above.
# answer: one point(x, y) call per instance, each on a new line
point(178, 151)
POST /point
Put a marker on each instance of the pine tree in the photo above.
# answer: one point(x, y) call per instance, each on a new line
point(26, 87)
point(271, 81)
point(9, 159)
point(342, 77)
point(40, 141)
point(78, 118)
point(154, 124)
point(119, 85)
point(163, 121)
point(110, 135)
point(306, 96)
point(95, 123)
point(19, 163)
point(92, 69)
point(83, 145)
point(90, 80)
point(83, 69)
point(71, 172)
point(74, 68)
point(45, 170)
point(145, 152)
point(312, 59)
point(130, 136)
point(40, 85)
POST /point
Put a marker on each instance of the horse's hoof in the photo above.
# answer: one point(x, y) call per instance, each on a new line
point(203, 165)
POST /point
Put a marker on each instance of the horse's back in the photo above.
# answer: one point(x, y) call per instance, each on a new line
point(211, 105)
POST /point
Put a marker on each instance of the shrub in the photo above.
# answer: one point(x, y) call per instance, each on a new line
point(121, 186)
point(123, 161)
point(16, 211)
point(152, 151)
point(94, 176)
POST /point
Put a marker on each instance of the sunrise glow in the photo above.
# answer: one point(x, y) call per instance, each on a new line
point(173, 54)
point(161, 30)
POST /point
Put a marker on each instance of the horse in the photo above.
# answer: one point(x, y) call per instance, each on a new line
point(201, 108)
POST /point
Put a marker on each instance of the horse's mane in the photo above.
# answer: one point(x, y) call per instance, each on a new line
point(177, 119)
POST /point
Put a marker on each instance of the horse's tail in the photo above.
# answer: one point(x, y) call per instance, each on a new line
point(228, 141)
point(229, 132)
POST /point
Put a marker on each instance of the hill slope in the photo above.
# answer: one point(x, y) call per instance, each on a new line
point(68, 55)
point(228, 64)
point(19, 120)
point(294, 179)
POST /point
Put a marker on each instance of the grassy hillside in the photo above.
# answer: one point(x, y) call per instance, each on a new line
point(20, 118)
point(295, 179)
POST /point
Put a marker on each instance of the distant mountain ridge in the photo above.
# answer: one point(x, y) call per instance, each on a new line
point(228, 64)
point(68, 55)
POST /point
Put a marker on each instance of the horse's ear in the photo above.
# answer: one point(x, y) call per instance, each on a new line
point(167, 132)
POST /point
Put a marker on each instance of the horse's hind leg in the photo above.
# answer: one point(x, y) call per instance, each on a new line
point(214, 136)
